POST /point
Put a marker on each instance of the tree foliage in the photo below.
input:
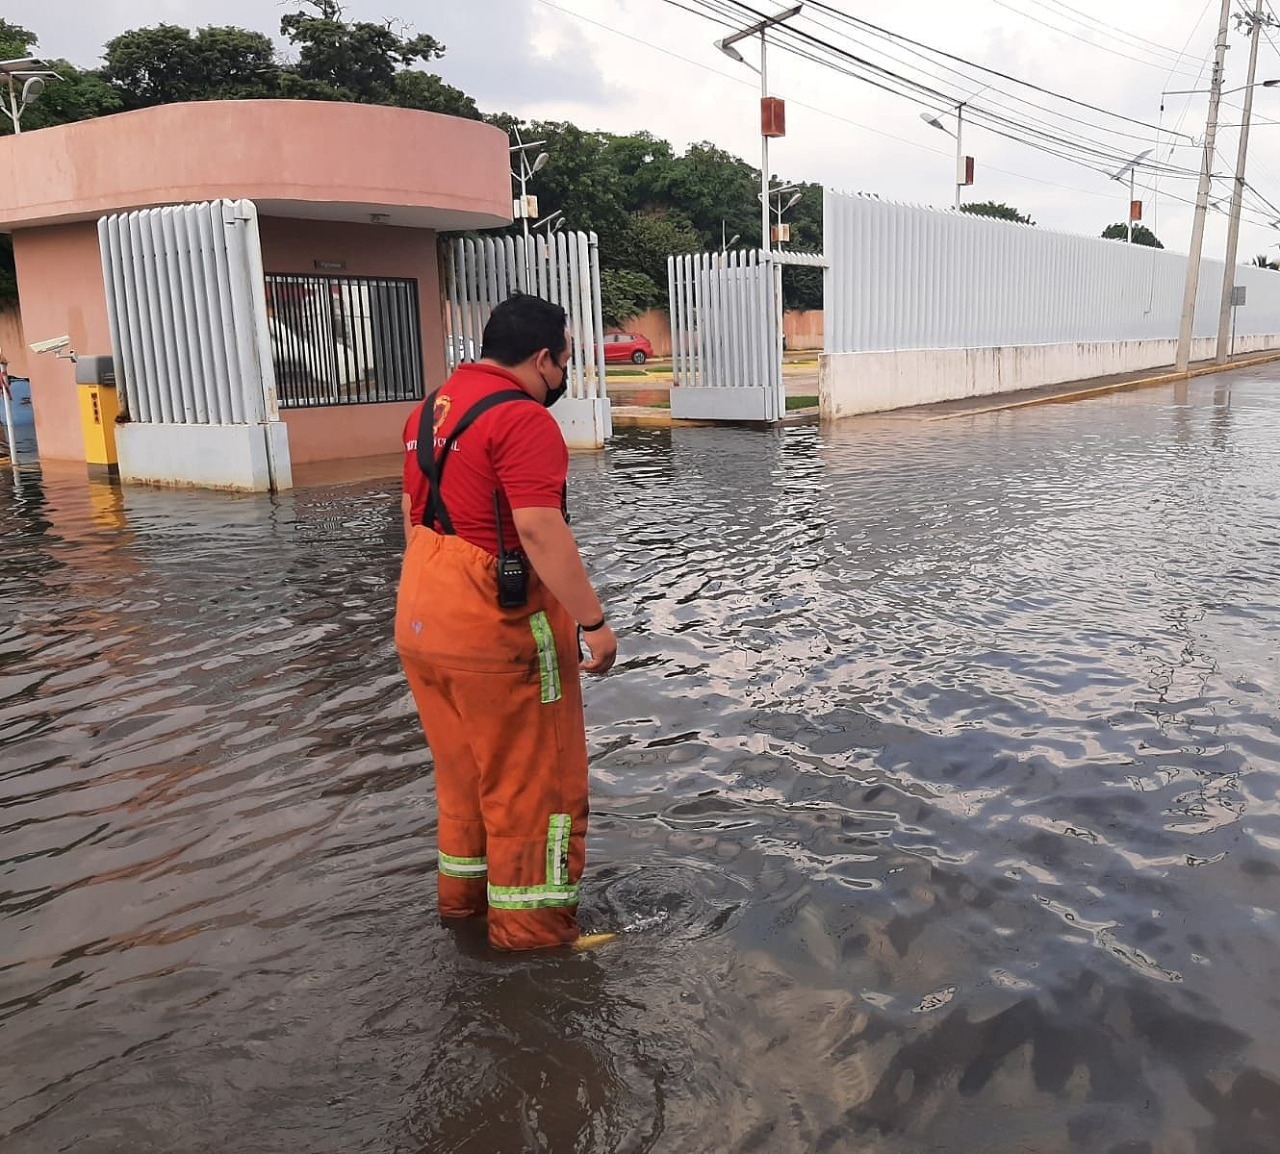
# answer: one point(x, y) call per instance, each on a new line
point(428, 93)
point(1263, 261)
point(997, 211)
point(168, 64)
point(624, 294)
point(1141, 234)
point(15, 41)
point(352, 60)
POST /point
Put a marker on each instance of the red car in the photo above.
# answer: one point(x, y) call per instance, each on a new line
point(627, 347)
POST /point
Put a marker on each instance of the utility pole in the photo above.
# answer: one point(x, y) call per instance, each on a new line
point(1255, 21)
point(1187, 325)
point(772, 119)
point(765, 178)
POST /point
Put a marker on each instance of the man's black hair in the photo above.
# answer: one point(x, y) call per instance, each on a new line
point(521, 327)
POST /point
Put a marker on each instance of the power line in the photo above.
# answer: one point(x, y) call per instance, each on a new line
point(1101, 159)
point(854, 20)
point(1074, 36)
point(614, 31)
point(896, 138)
point(1020, 100)
point(892, 82)
point(1085, 19)
point(1052, 141)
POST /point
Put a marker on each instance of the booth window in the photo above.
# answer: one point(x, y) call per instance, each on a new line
point(344, 340)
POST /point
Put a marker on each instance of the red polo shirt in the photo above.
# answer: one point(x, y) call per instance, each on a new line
point(515, 448)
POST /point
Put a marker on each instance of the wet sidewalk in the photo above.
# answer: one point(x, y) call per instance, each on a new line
point(650, 403)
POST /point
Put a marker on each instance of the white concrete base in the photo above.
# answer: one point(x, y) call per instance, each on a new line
point(586, 424)
point(732, 404)
point(252, 458)
point(853, 383)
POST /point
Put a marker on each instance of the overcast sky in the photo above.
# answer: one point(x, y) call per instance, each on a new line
point(623, 65)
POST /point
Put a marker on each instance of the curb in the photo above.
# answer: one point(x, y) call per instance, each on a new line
point(1118, 387)
point(636, 416)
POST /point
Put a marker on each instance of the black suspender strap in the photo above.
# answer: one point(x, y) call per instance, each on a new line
point(433, 467)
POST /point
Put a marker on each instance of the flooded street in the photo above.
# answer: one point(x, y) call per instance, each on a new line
point(937, 791)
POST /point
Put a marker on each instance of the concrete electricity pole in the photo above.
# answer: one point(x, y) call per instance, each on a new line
point(767, 130)
point(1256, 21)
point(1183, 361)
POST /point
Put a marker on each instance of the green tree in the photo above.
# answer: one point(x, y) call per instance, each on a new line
point(997, 211)
point(15, 41)
point(428, 93)
point(1262, 261)
point(644, 246)
point(624, 294)
point(168, 64)
point(1141, 234)
point(642, 164)
point(350, 60)
point(711, 186)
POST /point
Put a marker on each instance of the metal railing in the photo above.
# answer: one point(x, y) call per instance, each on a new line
point(344, 340)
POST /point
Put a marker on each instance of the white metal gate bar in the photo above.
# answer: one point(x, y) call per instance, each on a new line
point(187, 314)
point(482, 272)
point(726, 327)
point(191, 340)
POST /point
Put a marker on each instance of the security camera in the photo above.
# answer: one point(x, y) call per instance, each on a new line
point(54, 345)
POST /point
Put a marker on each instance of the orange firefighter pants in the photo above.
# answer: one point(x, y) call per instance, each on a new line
point(500, 700)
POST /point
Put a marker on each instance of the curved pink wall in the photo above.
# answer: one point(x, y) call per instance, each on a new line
point(334, 161)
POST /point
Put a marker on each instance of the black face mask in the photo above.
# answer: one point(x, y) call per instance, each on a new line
point(553, 395)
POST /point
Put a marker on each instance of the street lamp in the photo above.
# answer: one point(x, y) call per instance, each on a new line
point(781, 209)
point(31, 73)
point(1131, 169)
point(771, 112)
point(964, 171)
point(524, 208)
point(546, 221)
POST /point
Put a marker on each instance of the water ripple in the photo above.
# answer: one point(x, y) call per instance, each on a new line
point(935, 799)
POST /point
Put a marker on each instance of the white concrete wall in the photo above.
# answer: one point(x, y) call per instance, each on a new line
point(239, 457)
point(853, 383)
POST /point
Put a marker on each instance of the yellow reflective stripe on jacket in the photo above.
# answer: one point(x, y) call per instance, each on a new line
point(548, 663)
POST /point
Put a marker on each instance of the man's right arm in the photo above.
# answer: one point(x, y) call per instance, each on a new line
point(552, 551)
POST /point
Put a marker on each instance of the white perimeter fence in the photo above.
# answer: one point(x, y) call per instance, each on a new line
point(902, 277)
point(987, 306)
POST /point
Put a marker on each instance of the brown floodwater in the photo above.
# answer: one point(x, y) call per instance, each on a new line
point(936, 798)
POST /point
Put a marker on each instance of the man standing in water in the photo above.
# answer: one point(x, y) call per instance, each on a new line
point(493, 593)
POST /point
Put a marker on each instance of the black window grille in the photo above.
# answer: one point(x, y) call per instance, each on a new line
point(344, 340)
